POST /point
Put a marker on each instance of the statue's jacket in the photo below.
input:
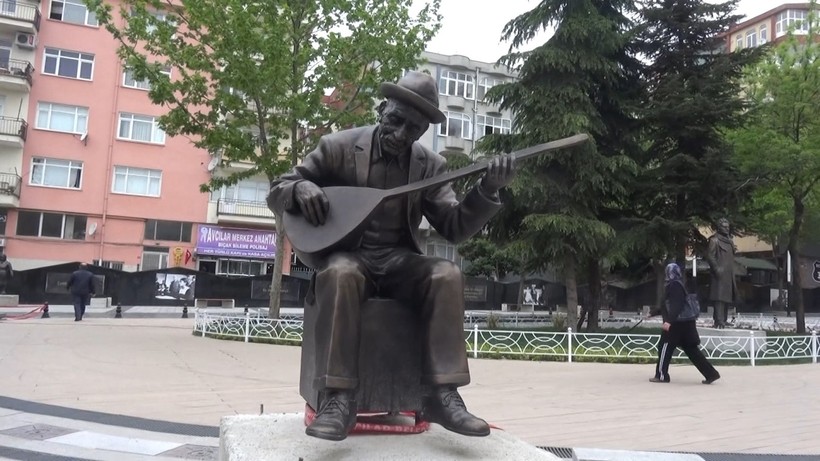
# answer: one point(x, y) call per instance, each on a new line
point(343, 159)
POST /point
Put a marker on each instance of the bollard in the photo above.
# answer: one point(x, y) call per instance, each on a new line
point(45, 311)
point(185, 310)
point(118, 312)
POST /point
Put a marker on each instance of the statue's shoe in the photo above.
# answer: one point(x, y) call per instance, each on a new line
point(446, 407)
point(335, 419)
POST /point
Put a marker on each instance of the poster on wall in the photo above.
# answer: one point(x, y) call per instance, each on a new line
point(778, 299)
point(175, 286)
point(533, 295)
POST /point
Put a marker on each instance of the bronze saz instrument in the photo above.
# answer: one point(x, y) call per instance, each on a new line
point(352, 207)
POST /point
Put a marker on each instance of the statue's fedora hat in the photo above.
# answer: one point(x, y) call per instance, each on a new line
point(418, 90)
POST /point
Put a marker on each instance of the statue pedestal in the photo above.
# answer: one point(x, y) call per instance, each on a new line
point(731, 342)
point(9, 300)
point(275, 437)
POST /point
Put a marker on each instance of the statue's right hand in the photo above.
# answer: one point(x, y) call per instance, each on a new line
point(312, 202)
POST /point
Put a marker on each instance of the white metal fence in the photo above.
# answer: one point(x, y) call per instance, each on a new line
point(570, 346)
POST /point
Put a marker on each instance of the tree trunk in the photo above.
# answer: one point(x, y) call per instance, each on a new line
point(660, 282)
point(796, 295)
point(572, 292)
point(276, 277)
point(594, 308)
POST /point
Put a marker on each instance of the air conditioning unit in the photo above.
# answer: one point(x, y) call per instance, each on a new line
point(2, 242)
point(24, 40)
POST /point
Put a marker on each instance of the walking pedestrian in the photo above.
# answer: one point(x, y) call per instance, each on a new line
point(679, 330)
point(81, 285)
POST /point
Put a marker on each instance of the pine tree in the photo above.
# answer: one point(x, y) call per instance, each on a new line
point(693, 96)
point(583, 79)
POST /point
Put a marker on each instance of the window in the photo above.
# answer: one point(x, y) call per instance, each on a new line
point(56, 173)
point(457, 124)
point(764, 34)
point(485, 84)
point(73, 11)
point(69, 64)
point(56, 225)
point(738, 41)
point(4, 216)
point(140, 128)
point(789, 18)
point(129, 81)
point(240, 267)
point(443, 249)
point(456, 84)
point(246, 190)
point(174, 231)
point(116, 265)
point(136, 181)
point(489, 125)
point(154, 258)
point(59, 117)
point(751, 39)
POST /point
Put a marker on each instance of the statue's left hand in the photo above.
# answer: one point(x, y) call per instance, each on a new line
point(500, 173)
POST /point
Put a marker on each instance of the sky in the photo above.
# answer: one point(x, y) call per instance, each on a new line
point(473, 28)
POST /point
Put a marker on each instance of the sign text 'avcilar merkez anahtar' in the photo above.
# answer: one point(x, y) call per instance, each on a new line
point(242, 243)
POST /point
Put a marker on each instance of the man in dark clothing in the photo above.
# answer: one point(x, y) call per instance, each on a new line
point(81, 286)
point(388, 260)
point(679, 333)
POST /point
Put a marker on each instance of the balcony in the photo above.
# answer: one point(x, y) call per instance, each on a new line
point(240, 211)
point(13, 131)
point(25, 18)
point(10, 190)
point(15, 75)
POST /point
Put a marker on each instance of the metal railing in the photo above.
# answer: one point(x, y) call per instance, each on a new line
point(17, 68)
point(10, 184)
point(11, 126)
point(19, 11)
point(568, 346)
point(243, 208)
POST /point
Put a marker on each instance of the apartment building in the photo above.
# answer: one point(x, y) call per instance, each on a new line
point(462, 84)
point(771, 26)
point(86, 174)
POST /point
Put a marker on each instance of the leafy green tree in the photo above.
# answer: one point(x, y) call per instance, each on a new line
point(249, 78)
point(781, 144)
point(486, 258)
point(583, 79)
point(692, 97)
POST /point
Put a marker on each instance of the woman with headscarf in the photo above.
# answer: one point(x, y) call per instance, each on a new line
point(679, 331)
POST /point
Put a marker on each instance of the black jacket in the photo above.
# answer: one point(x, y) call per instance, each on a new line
point(674, 298)
point(81, 282)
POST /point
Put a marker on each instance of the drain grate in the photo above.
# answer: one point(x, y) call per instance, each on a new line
point(561, 452)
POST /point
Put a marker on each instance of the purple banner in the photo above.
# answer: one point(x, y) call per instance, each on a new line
point(242, 243)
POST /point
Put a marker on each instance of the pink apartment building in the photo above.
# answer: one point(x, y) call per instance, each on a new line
point(87, 175)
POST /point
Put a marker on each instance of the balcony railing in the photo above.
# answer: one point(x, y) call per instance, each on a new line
point(11, 126)
point(10, 184)
point(17, 68)
point(14, 10)
point(249, 209)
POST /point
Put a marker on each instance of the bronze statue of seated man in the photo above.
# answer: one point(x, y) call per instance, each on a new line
point(388, 261)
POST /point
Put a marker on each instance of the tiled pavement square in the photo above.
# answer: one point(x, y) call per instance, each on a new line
point(37, 431)
point(198, 452)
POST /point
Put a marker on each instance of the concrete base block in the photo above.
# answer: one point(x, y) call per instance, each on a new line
point(281, 436)
point(730, 341)
point(9, 300)
point(100, 302)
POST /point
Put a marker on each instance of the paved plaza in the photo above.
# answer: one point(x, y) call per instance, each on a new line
point(154, 368)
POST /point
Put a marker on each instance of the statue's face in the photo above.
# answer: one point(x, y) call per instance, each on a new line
point(401, 126)
point(2, 258)
point(723, 226)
